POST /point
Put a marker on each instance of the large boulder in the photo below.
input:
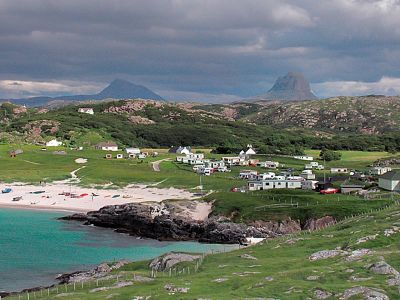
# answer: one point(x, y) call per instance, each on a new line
point(365, 292)
point(383, 268)
point(169, 260)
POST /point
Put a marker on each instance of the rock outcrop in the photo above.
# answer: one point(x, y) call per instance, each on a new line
point(169, 260)
point(138, 219)
point(141, 220)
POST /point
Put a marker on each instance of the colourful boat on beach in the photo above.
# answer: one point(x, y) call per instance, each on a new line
point(38, 192)
point(6, 191)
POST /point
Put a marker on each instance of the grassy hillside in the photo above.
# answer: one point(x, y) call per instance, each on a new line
point(281, 268)
point(369, 115)
point(282, 128)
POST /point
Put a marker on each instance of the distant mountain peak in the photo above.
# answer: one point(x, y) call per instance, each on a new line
point(293, 87)
point(117, 89)
point(121, 88)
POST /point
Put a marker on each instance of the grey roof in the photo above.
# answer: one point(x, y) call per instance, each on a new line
point(392, 175)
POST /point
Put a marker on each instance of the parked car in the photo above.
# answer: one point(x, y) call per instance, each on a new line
point(329, 191)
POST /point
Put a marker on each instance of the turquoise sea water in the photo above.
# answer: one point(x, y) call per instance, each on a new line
point(35, 247)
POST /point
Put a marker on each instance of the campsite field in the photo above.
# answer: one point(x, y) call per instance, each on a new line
point(280, 268)
point(35, 165)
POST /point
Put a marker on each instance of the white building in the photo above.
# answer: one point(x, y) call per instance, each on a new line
point(304, 157)
point(234, 160)
point(268, 164)
point(86, 110)
point(53, 143)
point(215, 164)
point(390, 181)
point(250, 150)
point(248, 174)
point(339, 170)
point(275, 184)
point(379, 170)
point(106, 146)
point(135, 151)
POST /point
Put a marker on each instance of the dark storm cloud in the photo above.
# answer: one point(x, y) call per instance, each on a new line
point(189, 48)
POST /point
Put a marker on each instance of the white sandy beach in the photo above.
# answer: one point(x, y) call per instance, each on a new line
point(52, 198)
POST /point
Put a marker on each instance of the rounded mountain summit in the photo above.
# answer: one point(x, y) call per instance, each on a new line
point(291, 87)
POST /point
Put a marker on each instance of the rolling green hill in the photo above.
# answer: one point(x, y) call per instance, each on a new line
point(345, 123)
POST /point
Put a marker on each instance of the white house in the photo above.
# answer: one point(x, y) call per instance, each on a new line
point(86, 110)
point(390, 181)
point(106, 146)
point(339, 170)
point(250, 150)
point(135, 151)
point(53, 143)
point(181, 150)
point(304, 157)
point(379, 170)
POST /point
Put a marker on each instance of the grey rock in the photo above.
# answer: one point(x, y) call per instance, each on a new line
point(321, 294)
point(169, 260)
point(365, 292)
point(382, 268)
point(358, 254)
point(324, 254)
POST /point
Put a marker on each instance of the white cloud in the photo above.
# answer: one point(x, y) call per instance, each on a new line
point(385, 86)
point(21, 88)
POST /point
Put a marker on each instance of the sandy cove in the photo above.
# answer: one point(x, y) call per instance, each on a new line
point(54, 197)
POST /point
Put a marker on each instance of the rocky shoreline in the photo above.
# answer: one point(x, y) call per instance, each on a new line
point(162, 222)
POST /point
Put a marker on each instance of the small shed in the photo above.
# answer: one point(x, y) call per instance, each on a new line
point(120, 156)
point(349, 188)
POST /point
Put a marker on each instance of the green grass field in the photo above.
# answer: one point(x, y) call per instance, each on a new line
point(281, 270)
point(284, 259)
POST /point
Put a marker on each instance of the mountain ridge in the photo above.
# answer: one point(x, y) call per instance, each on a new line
point(117, 89)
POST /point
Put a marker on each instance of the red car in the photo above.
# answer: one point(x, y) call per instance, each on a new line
point(329, 191)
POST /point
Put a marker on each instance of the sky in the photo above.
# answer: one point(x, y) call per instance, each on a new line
point(205, 50)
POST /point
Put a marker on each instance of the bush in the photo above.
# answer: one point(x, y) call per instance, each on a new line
point(329, 155)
